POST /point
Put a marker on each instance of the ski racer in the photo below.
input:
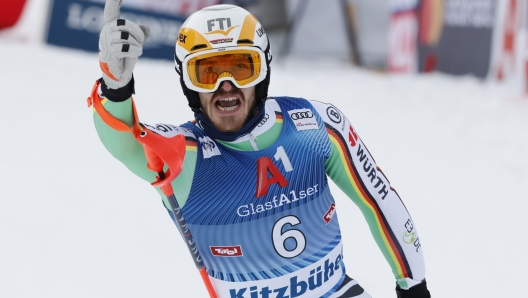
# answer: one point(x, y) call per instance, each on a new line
point(253, 186)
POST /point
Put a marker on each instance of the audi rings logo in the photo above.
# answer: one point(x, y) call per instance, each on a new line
point(264, 120)
point(333, 115)
point(304, 119)
point(301, 115)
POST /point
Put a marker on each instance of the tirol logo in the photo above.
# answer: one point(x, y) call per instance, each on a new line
point(333, 115)
point(209, 147)
point(409, 235)
point(352, 137)
point(226, 251)
point(303, 119)
point(329, 214)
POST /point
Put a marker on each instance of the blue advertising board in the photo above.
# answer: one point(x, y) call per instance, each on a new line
point(77, 24)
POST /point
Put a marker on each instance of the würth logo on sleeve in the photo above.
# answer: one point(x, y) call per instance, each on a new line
point(329, 214)
point(226, 251)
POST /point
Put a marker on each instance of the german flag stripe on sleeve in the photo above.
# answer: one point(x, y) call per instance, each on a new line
point(393, 247)
point(190, 144)
point(278, 117)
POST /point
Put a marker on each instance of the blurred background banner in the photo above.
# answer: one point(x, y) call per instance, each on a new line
point(456, 36)
point(10, 11)
point(316, 29)
point(510, 59)
point(487, 39)
point(403, 28)
point(77, 23)
point(179, 8)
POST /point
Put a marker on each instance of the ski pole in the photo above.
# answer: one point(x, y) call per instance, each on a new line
point(158, 151)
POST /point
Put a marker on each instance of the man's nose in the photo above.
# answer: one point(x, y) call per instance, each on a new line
point(226, 86)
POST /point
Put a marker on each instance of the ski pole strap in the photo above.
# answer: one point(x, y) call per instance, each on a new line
point(158, 150)
point(107, 118)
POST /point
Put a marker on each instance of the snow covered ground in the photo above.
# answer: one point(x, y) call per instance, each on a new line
point(76, 223)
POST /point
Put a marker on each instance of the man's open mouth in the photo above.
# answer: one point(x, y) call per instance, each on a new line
point(227, 104)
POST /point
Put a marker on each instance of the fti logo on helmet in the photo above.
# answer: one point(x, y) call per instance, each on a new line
point(220, 22)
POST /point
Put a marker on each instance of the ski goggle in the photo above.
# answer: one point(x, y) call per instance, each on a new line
point(205, 71)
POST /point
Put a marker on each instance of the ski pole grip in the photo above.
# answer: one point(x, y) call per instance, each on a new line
point(161, 151)
point(154, 162)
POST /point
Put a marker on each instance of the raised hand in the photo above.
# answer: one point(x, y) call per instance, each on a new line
point(120, 45)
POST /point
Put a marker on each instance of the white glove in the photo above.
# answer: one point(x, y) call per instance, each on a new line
point(120, 45)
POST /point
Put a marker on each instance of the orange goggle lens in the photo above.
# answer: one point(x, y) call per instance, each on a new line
point(243, 66)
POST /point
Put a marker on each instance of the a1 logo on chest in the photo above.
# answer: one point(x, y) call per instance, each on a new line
point(266, 166)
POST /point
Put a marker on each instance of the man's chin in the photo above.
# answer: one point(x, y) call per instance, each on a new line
point(228, 126)
point(228, 129)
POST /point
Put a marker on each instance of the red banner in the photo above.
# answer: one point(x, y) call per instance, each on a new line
point(10, 11)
